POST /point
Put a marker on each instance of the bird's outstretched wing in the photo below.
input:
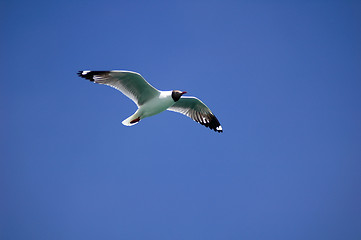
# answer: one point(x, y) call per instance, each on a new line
point(131, 84)
point(198, 111)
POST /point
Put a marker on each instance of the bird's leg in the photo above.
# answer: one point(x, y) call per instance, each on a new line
point(135, 120)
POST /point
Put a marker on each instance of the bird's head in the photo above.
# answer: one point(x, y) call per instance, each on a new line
point(176, 95)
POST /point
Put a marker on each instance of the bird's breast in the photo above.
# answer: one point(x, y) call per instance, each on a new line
point(156, 105)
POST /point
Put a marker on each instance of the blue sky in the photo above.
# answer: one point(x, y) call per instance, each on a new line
point(283, 78)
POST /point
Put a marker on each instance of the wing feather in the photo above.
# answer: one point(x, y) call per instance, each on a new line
point(131, 84)
point(198, 111)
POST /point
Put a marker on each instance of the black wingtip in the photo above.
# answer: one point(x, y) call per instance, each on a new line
point(86, 74)
point(213, 124)
point(90, 74)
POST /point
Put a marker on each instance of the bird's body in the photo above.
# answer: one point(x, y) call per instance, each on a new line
point(157, 104)
point(151, 101)
point(152, 107)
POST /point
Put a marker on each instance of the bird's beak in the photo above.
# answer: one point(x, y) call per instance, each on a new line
point(184, 93)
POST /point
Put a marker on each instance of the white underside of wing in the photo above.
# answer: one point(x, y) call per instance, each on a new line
point(131, 84)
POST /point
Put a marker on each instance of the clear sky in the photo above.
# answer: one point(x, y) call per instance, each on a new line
point(283, 78)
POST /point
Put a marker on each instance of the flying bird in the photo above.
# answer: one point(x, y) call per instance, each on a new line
point(151, 101)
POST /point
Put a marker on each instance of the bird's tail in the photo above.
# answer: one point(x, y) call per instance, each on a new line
point(132, 120)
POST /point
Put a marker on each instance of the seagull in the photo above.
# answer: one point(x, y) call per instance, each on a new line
point(151, 101)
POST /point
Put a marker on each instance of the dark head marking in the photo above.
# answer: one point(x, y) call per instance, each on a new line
point(176, 95)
